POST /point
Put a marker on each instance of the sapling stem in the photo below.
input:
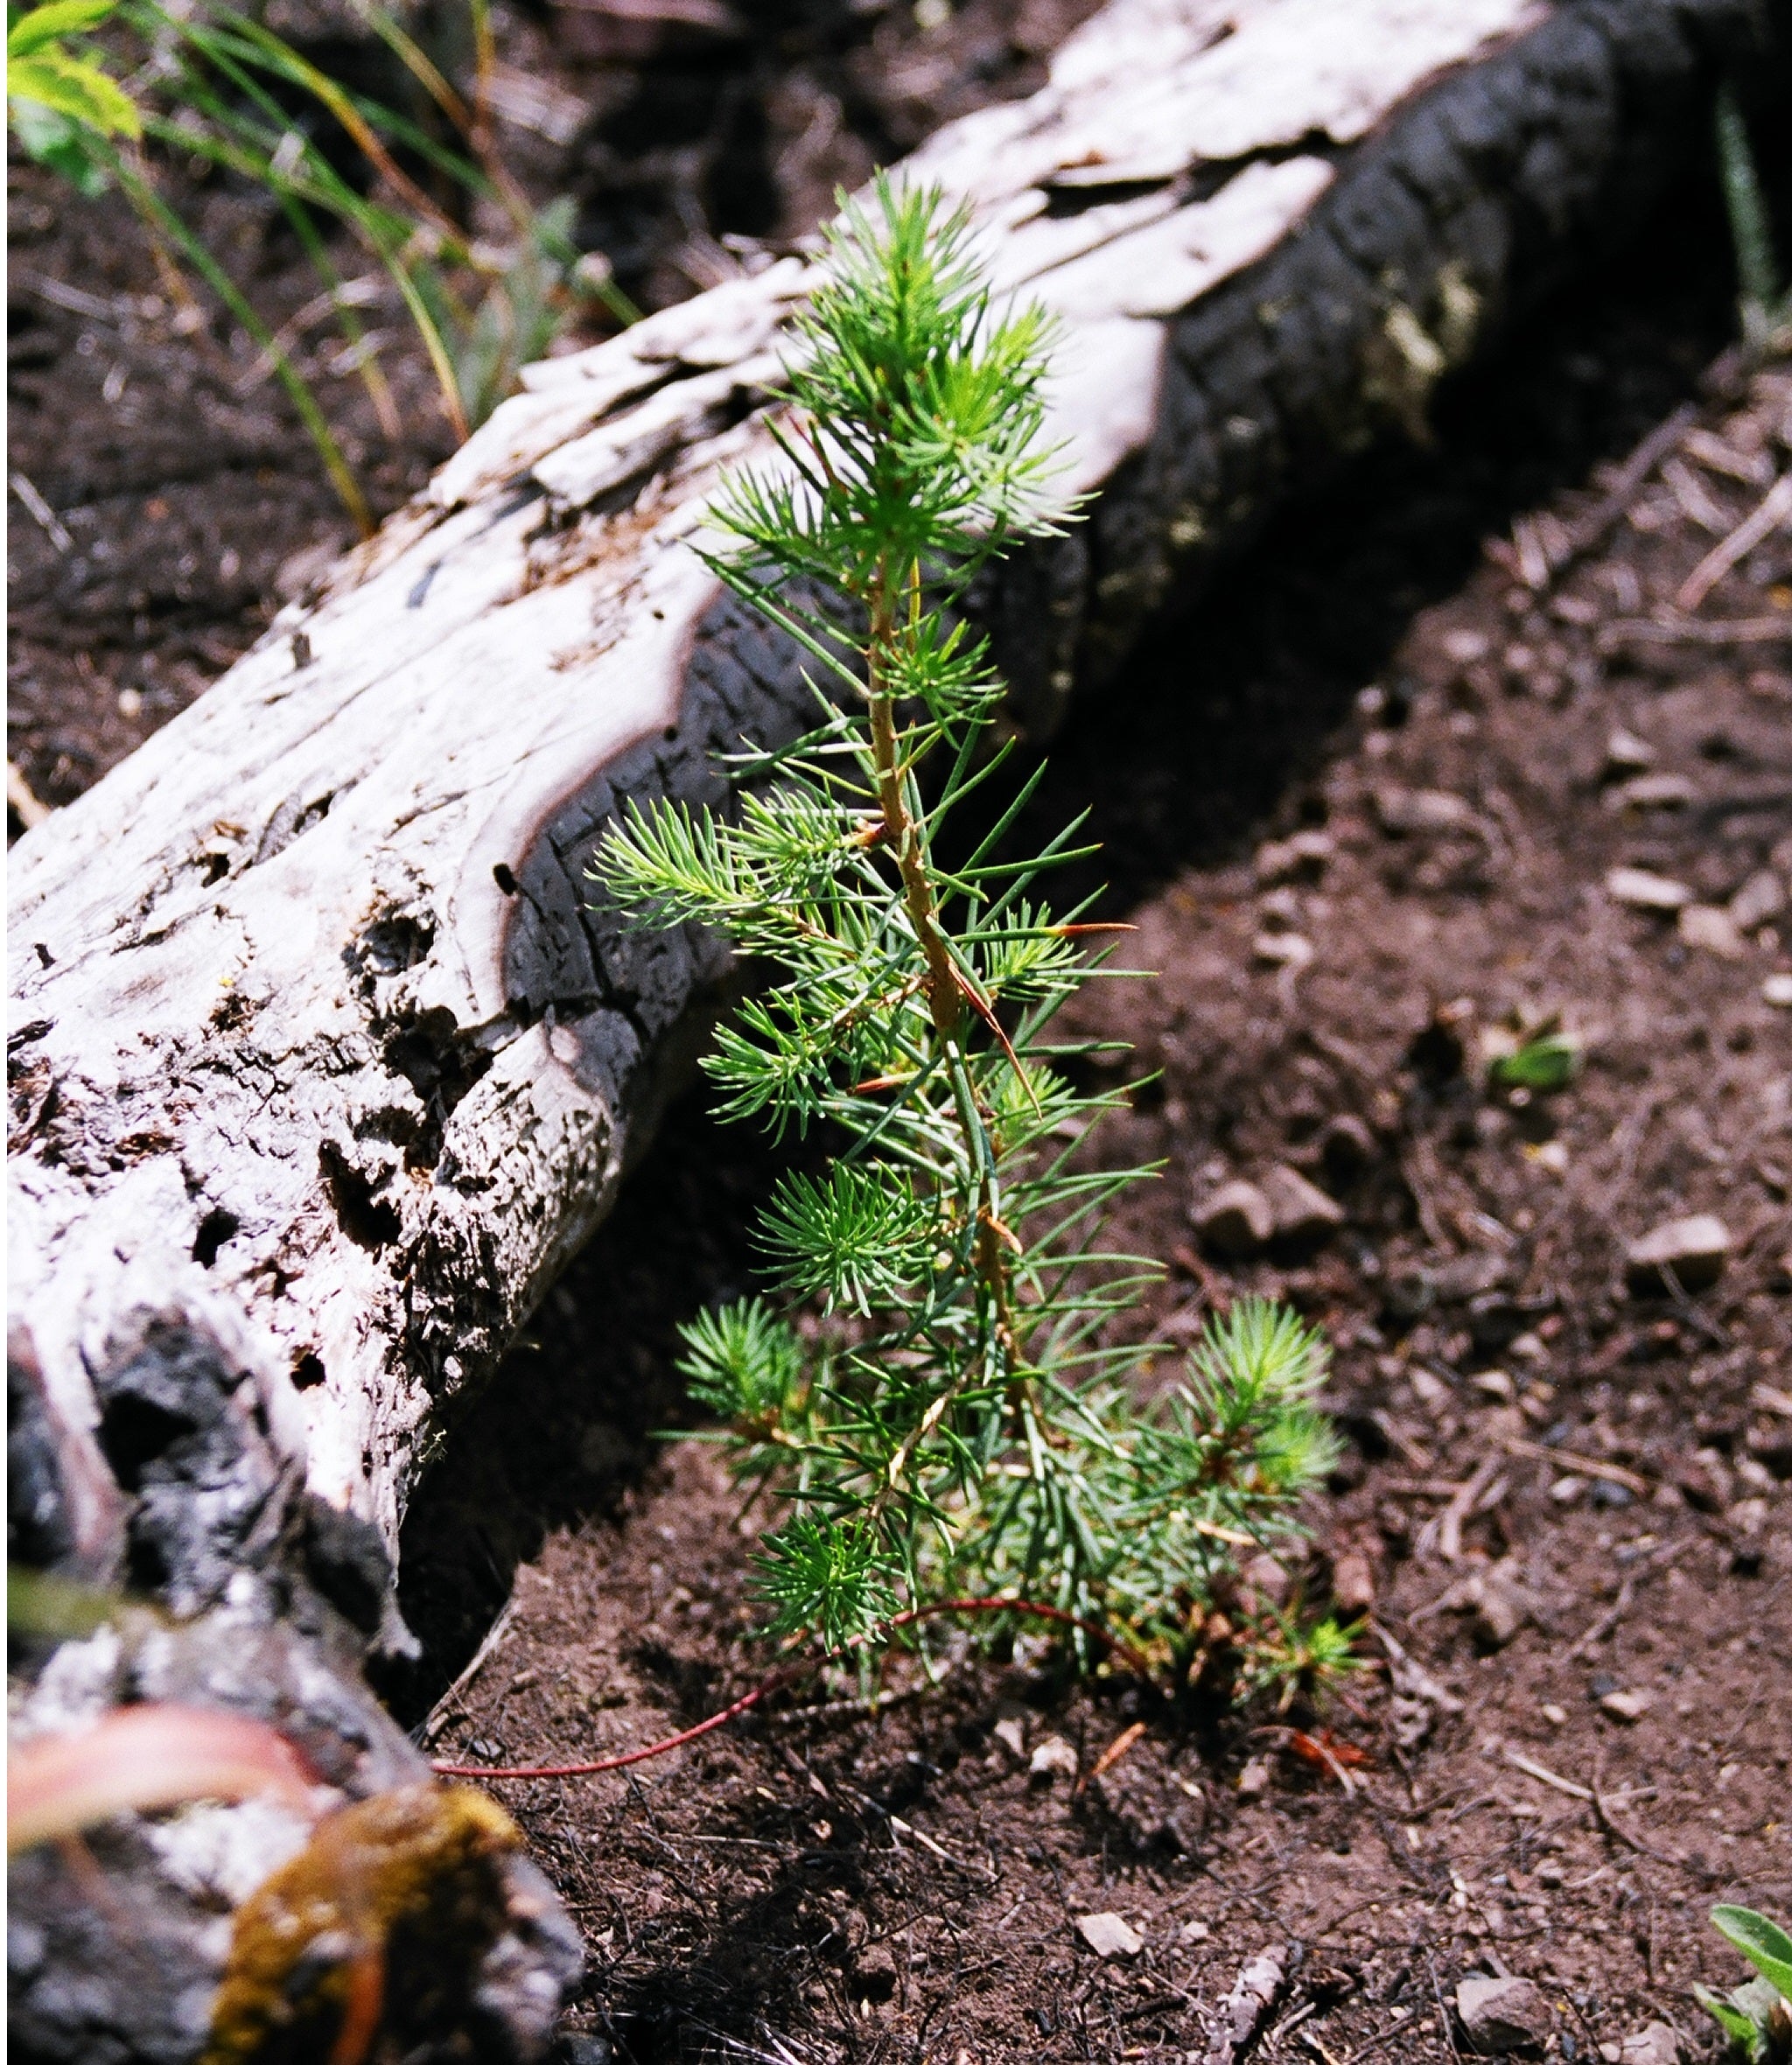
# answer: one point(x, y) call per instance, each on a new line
point(960, 1423)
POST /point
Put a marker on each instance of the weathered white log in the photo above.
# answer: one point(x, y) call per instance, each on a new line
point(315, 1053)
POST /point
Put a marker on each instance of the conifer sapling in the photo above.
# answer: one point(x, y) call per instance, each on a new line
point(962, 1420)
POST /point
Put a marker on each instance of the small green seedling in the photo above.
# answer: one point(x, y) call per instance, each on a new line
point(1546, 1061)
point(1757, 2016)
point(959, 1423)
point(1531, 1052)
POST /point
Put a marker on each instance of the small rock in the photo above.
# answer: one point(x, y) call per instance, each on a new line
point(1283, 949)
point(1347, 1147)
point(1703, 1480)
point(1502, 2015)
point(1627, 1706)
point(1254, 1778)
point(1301, 858)
point(1695, 1249)
point(1709, 927)
point(1656, 2045)
point(1054, 1758)
point(1760, 900)
point(1639, 890)
point(1465, 647)
point(1013, 1737)
point(1110, 1936)
point(1300, 1210)
point(1194, 1932)
point(1353, 1582)
point(1236, 1221)
point(1777, 990)
point(1430, 1389)
point(1499, 1614)
point(1628, 754)
point(1656, 792)
point(1495, 1384)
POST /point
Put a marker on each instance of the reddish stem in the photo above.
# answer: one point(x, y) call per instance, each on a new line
point(779, 1679)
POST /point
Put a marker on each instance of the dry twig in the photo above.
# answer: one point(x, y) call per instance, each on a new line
point(1774, 509)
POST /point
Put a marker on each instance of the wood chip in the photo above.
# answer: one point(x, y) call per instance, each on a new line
point(1639, 890)
point(1110, 1936)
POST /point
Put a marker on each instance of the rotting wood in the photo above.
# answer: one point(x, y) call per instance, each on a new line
point(322, 1065)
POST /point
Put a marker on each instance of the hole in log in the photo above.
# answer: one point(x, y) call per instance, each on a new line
point(217, 1227)
point(369, 1222)
point(308, 1371)
point(441, 1066)
point(392, 944)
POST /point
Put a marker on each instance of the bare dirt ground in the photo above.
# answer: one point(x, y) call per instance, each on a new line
point(1564, 1500)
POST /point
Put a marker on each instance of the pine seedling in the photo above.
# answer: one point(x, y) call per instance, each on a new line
point(958, 1419)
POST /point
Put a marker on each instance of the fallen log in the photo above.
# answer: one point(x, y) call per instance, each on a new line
point(323, 1061)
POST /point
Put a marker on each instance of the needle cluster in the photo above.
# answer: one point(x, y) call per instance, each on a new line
point(956, 1413)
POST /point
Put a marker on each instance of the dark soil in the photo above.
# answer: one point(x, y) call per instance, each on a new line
point(816, 1883)
point(819, 1884)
